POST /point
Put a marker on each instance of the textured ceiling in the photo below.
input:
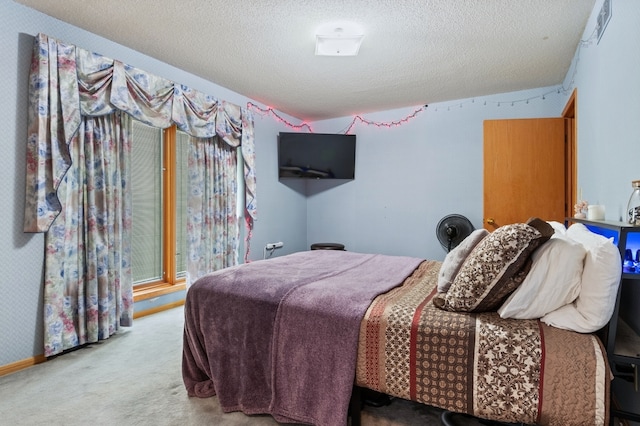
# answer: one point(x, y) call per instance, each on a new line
point(414, 52)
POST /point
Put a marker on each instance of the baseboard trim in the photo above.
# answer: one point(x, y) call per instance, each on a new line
point(38, 359)
point(21, 365)
point(158, 309)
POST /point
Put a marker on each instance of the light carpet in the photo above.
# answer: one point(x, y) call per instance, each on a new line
point(134, 378)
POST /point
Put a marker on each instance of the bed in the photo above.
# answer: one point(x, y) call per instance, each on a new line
point(293, 336)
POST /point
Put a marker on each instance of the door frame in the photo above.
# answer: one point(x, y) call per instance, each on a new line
point(570, 114)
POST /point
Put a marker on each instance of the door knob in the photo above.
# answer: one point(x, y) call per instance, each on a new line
point(491, 221)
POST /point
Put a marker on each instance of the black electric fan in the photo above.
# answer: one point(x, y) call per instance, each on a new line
point(452, 229)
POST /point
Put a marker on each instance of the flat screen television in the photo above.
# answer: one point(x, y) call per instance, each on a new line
point(316, 155)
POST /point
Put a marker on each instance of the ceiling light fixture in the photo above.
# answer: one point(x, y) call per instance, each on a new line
point(338, 39)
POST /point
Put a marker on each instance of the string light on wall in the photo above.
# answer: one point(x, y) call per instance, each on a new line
point(500, 103)
point(559, 90)
point(356, 119)
point(387, 124)
point(273, 112)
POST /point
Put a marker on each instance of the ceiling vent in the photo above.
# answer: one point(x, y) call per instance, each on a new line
point(603, 17)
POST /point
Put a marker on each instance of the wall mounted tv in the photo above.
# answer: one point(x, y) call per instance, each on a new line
point(316, 155)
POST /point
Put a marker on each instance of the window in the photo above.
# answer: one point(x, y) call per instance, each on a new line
point(159, 200)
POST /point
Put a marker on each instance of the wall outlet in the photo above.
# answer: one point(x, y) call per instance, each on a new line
point(273, 246)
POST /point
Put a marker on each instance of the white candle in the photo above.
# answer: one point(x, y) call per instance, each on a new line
point(595, 212)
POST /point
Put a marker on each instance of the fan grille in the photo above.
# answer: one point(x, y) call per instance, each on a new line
point(452, 230)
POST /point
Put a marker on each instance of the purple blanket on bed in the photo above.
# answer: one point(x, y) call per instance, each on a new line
point(280, 336)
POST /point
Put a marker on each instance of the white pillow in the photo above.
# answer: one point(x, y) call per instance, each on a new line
point(559, 228)
point(552, 282)
point(599, 287)
point(456, 257)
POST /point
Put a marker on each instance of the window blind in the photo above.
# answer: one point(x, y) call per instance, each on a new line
point(146, 187)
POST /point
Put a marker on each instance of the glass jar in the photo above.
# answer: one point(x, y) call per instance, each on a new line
point(633, 208)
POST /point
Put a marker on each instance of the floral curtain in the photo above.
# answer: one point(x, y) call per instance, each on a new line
point(67, 82)
point(212, 231)
point(87, 291)
point(69, 85)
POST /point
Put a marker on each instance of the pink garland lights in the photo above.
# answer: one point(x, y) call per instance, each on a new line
point(387, 124)
point(356, 119)
point(269, 110)
point(395, 123)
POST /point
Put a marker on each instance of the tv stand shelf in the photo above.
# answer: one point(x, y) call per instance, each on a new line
point(627, 341)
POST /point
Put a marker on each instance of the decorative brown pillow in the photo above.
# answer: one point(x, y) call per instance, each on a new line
point(495, 267)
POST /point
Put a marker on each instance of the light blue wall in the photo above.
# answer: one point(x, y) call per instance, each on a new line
point(407, 177)
point(608, 81)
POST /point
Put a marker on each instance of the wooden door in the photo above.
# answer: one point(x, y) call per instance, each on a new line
point(524, 170)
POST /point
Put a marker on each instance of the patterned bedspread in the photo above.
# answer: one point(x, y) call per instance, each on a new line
point(519, 371)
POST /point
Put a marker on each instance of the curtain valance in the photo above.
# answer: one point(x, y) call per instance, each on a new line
point(67, 82)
